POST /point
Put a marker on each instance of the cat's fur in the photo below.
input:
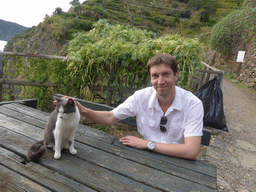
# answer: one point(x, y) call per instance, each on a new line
point(60, 131)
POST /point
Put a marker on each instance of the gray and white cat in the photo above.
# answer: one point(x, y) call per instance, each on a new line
point(59, 132)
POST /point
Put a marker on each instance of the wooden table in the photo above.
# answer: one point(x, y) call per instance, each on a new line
point(101, 164)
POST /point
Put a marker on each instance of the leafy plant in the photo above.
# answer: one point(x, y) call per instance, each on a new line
point(112, 57)
point(42, 70)
point(115, 56)
point(234, 29)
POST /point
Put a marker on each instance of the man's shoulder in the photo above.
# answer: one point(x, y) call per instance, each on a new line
point(187, 95)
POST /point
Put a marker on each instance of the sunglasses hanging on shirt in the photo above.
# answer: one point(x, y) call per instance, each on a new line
point(163, 122)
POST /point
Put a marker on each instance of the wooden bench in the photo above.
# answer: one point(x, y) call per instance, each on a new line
point(131, 120)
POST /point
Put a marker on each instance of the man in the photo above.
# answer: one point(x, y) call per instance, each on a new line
point(168, 117)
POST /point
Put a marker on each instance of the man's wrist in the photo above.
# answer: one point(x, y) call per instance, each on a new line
point(151, 145)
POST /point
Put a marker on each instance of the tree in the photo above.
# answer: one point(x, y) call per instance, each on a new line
point(58, 11)
point(74, 3)
point(237, 27)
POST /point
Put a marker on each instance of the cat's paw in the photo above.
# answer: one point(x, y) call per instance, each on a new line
point(57, 155)
point(73, 151)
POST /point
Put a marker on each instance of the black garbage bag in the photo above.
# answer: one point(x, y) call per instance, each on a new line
point(211, 96)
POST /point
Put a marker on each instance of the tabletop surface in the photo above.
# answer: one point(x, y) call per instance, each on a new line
point(102, 163)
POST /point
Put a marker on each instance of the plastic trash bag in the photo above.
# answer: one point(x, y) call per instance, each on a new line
point(211, 96)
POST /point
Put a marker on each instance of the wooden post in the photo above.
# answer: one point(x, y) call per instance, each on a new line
point(1, 74)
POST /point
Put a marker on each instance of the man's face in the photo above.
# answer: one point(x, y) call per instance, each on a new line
point(163, 80)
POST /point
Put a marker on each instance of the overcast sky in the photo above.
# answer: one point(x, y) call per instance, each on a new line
point(30, 13)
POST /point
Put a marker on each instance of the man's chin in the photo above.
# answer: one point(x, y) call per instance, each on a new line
point(161, 94)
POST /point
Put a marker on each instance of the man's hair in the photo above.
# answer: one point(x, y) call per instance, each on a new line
point(163, 58)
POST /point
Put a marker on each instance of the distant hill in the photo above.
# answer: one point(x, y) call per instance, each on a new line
point(8, 30)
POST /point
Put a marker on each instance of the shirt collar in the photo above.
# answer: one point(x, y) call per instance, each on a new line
point(153, 101)
point(176, 104)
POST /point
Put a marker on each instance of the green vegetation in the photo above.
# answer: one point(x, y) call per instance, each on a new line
point(42, 70)
point(61, 26)
point(113, 54)
point(236, 28)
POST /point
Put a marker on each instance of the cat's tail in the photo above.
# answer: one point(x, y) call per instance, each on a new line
point(36, 151)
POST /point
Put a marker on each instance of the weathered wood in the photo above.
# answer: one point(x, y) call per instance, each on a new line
point(210, 67)
point(171, 166)
point(34, 55)
point(1, 74)
point(102, 160)
point(40, 119)
point(42, 175)
point(27, 83)
point(98, 157)
point(210, 71)
point(89, 174)
point(12, 181)
point(27, 102)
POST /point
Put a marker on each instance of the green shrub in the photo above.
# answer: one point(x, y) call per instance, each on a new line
point(115, 56)
point(183, 1)
point(186, 13)
point(61, 27)
point(195, 4)
point(250, 3)
point(234, 29)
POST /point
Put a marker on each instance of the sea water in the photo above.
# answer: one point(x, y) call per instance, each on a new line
point(2, 45)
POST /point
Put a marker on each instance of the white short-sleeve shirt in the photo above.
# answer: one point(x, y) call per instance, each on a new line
point(184, 116)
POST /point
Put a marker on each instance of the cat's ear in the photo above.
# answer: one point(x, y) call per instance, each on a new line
point(57, 99)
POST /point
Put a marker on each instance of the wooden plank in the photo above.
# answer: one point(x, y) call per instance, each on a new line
point(142, 159)
point(41, 123)
point(39, 174)
point(211, 67)
point(179, 179)
point(89, 174)
point(12, 181)
point(34, 55)
point(210, 71)
point(27, 111)
point(1, 74)
point(150, 159)
point(84, 131)
point(22, 117)
point(27, 83)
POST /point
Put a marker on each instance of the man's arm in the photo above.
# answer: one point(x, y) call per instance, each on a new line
point(100, 117)
point(189, 150)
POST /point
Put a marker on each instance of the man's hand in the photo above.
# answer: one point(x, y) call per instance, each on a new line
point(135, 142)
point(65, 97)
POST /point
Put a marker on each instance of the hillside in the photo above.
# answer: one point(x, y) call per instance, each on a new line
point(8, 30)
point(190, 18)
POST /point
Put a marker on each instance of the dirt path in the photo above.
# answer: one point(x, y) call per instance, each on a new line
point(234, 152)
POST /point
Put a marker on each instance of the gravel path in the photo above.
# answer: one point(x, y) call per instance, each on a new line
point(234, 152)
